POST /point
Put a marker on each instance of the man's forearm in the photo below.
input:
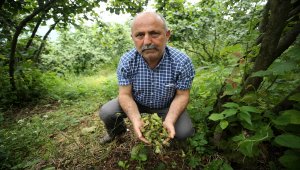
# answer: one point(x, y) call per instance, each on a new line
point(129, 106)
point(177, 106)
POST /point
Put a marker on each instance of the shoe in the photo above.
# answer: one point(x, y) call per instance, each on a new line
point(106, 139)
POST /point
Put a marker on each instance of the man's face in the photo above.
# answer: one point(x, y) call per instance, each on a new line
point(149, 36)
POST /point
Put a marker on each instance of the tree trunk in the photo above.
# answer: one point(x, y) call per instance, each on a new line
point(37, 25)
point(37, 56)
point(15, 41)
point(279, 10)
point(286, 104)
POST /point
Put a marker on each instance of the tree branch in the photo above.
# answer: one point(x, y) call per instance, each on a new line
point(15, 40)
point(205, 49)
point(37, 25)
point(286, 104)
point(44, 40)
point(294, 11)
point(287, 40)
point(277, 22)
point(265, 18)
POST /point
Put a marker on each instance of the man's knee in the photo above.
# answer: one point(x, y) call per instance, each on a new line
point(184, 133)
point(109, 109)
point(104, 112)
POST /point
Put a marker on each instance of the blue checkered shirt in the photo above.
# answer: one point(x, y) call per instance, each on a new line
point(156, 88)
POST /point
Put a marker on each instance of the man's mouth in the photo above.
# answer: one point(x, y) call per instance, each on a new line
point(149, 47)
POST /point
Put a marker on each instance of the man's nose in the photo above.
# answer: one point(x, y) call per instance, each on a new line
point(147, 39)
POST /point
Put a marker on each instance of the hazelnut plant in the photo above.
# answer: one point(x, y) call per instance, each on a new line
point(157, 136)
point(154, 132)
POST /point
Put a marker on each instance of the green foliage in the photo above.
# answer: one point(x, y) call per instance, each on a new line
point(288, 140)
point(218, 32)
point(23, 140)
point(128, 6)
point(198, 142)
point(139, 153)
point(123, 164)
point(211, 31)
point(288, 117)
point(218, 164)
point(242, 113)
point(290, 159)
point(87, 50)
point(154, 132)
point(29, 140)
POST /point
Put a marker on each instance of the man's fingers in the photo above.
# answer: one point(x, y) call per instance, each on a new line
point(171, 134)
point(166, 141)
point(144, 140)
point(140, 136)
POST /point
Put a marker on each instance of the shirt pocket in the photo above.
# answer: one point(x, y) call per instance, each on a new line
point(167, 90)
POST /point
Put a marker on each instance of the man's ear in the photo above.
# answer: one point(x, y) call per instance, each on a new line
point(168, 34)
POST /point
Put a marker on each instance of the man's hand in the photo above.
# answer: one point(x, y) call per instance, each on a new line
point(137, 126)
point(169, 126)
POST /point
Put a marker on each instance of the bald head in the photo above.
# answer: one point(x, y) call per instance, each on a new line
point(147, 14)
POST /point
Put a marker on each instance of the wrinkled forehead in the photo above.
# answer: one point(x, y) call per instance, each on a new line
point(148, 17)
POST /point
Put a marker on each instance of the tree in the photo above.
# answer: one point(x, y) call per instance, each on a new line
point(63, 12)
point(279, 28)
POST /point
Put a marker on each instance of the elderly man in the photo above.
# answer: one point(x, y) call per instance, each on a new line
point(153, 78)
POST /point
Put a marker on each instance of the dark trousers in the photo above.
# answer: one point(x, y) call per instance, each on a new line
point(113, 116)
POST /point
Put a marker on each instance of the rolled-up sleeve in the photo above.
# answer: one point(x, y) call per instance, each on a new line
point(124, 73)
point(186, 75)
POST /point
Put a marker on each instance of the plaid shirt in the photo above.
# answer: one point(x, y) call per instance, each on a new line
point(156, 88)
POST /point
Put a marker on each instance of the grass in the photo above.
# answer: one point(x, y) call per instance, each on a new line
point(64, 134)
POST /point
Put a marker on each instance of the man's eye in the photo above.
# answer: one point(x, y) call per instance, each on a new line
point(140, 35)
point(155, 34)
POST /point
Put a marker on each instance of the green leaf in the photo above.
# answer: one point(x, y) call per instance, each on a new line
point(288, 140)
point(280, 68)
point(216, 117)
point(238, 137)
point(231, 105)
point(249, 98)
point(290, 159)
point(139, 152)
point(295, 97)
point(246, 147)
point(226, 166)
point(262, 73)
point(223, 124)
point(249, 109)
point(229, 112)
point(246, 117)
point(288, 117)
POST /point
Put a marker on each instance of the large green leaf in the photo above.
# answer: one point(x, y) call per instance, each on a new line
point(216, 117)
point(249, 98)
point(229, 112)
point(239, 137)
point(249, 109)
point(290, 159)
point(224, 124)
point(283, 67)
point(288, 140)
point(288, 117)
point(262, 73)
point(247, 147)
point(295, 97)
point(246, 117)
point(231, 105)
